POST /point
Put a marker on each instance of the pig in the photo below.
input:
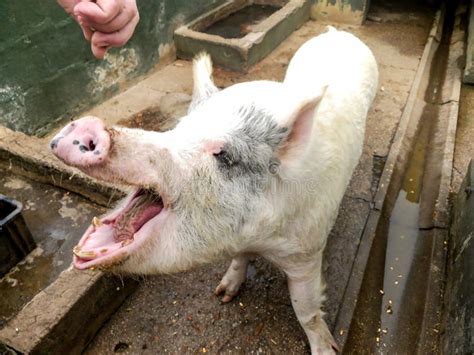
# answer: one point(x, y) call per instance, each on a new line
point(258, 168)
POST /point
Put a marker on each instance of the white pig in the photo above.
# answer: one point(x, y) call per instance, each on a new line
point(257, 168)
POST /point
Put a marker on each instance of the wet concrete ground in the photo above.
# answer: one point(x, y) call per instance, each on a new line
point(56, 219)
point(180, 314)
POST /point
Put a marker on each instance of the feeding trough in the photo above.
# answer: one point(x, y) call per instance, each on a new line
point(239, 33)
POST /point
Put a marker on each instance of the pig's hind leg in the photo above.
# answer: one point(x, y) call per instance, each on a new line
point(233, 278)
point(307, 295)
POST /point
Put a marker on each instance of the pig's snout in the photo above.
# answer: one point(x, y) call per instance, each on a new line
point(84, 142)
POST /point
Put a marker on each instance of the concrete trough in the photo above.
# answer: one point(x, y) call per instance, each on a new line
point(258, 38)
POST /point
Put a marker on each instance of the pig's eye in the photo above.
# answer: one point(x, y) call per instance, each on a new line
point(225, 159)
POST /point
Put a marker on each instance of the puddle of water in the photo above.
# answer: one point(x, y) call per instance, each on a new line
point(391, 307)
point(392, 304)
point(389, 313)
point(240, 23)
point(401, 262)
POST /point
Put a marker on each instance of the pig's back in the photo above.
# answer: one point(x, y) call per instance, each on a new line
point(347, 67)
point(339, 60)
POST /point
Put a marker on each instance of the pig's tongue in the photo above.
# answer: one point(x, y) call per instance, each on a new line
point(99, 242)
point(140, 210)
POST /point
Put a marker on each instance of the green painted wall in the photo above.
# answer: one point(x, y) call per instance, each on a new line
point(47, 72)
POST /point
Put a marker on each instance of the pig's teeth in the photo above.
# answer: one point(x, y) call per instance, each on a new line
point(87, 254)
point(83, 254)
point(104, 250)
point(76, 250)
point(126, 242)
point(96, 222)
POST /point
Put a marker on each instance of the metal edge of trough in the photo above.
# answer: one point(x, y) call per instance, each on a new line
point(397, 156)
point(66, 315)
point(240, 53)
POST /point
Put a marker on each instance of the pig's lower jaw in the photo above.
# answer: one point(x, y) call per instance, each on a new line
point(110, 240)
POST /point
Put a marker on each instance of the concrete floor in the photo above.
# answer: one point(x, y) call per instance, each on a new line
point(180, 314)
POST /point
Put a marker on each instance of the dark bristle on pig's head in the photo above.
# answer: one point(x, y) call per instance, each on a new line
point(251, 147)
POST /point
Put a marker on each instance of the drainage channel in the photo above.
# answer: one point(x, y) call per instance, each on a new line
point(394, 305)
point(406, 260)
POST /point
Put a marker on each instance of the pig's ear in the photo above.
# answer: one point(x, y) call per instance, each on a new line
point(204, 87)
point(299, 122)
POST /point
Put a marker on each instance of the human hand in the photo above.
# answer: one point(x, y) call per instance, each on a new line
point(105, 23)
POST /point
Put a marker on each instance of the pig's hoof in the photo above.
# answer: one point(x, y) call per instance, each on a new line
point(230, 283)
point(327, 350)
point(324, 342)
point(229, 291)
point(84, 142)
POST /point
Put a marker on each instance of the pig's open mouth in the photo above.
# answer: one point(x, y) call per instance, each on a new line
point(110, 239)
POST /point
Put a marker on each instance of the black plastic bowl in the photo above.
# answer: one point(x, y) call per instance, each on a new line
point(15, 237)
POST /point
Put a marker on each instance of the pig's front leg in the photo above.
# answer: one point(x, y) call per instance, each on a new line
point(233, 278)
point(306, 292)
